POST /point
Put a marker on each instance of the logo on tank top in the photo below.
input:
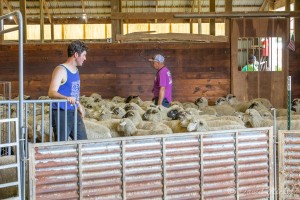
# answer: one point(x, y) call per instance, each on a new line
point(75, 89)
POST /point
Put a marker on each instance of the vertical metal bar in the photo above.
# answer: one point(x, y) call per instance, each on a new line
point(236, 144)
point(50, 122)
point(123, 143)
point(43, 123)
point(9, 130)
point(21, 94)
point(164, 172)
point(275, 151)
point(34, 122)
point(58, 122)
point(272, 155)
point(201, 168)
point(66, 122)
point(80, 173)
point(18, 161)
point(75, 122)
point(289, 90)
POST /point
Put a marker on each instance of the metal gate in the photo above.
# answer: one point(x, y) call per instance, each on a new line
point(214, 165)
point(10, 164)
point(289, 164)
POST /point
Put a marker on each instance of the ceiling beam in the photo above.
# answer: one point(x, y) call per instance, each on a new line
point(47, 11)
point(263, 5)
point(10, 10)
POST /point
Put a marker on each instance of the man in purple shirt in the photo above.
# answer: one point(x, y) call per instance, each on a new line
point(162, 88)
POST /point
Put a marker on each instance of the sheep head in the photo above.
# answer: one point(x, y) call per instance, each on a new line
point(196, 125)
point(221, 101)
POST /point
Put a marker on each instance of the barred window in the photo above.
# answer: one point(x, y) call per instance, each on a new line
point(260, 54)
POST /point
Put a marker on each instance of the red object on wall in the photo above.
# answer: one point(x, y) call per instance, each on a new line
point(265, 49)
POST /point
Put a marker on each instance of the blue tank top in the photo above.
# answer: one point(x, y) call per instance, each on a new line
point(71, 88)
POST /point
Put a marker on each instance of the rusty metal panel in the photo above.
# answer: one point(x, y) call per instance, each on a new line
point(213, 165)
point(289, 164)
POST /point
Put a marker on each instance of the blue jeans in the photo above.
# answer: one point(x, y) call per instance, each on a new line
point(63, 136)
point(165, 102)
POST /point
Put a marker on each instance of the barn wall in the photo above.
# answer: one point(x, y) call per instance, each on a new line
point(201, 69)
point(294, 72)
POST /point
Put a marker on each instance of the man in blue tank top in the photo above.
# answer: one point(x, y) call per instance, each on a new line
point(65, 84)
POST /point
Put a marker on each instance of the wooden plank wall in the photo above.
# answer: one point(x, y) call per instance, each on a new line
point(250, 85)
point(294, 70)
point(201, 69)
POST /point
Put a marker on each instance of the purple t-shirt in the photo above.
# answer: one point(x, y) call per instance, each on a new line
point(163, 79)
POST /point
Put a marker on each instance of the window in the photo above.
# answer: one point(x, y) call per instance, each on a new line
point(260, 54)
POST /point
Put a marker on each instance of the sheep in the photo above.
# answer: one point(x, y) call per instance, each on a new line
point(112, 125)
point(263, 111)
point(224, 109)
point(118, 112)
point(137, 120)
point(189, 105)
point(253, 117)
point(134, 106)
point(8, 175)
point(221, 101)
point(175, 126)
point(153, 114)
point(118, 99)
point(231, 118)
point(96, 131)
point(127, 127)
point(283, 112)
point(203, 125)
point(202, 104)
point(264, 102)
point(97, 97)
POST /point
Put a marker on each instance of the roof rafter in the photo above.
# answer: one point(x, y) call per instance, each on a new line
point(10, 9)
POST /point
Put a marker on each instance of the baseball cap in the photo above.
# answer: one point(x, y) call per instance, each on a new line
point(252, 57)
point(157, 58)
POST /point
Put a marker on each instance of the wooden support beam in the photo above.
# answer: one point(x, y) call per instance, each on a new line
point(263, 5)
point(10, 10)
point(287, 5)
point(212, 23)
point(48, 12)
point(228, 9)
point(137, 37)
point(24, 14)
point(1, 22)
point(116, 25)
point(83, 11)
point(297, 23)
point(42, 30)
point(271, 5)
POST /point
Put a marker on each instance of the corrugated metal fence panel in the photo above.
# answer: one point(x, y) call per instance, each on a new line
point(216, 165)
point(289, 165)
point(255, 165)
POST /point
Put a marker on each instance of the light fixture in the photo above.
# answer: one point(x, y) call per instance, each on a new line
point(84, 16)
point(10, 17)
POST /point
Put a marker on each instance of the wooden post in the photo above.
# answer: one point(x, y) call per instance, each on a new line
point(52, 29)
point(116, 24)
point(23, 11)
point(212, 22)
point(228, 8)
point(287, 5)
point(199, 20)
point(297, 23)
point(42, 21)
point(1, 22)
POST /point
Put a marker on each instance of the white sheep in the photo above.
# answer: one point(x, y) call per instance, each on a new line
point(127, 127)
point(95, 130)
point(253, 117)
point(134, 106)
point(203, 125)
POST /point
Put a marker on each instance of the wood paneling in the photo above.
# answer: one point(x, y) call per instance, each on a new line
point(249, 85)
point(198, 69)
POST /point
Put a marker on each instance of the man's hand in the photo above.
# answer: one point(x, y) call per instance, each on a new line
point(81, 109)
point(71, 100)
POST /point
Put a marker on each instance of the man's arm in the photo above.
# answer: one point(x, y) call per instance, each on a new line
point(161, 95)
point(58, 76)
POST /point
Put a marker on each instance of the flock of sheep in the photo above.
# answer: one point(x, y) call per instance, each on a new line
point(119, 117)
